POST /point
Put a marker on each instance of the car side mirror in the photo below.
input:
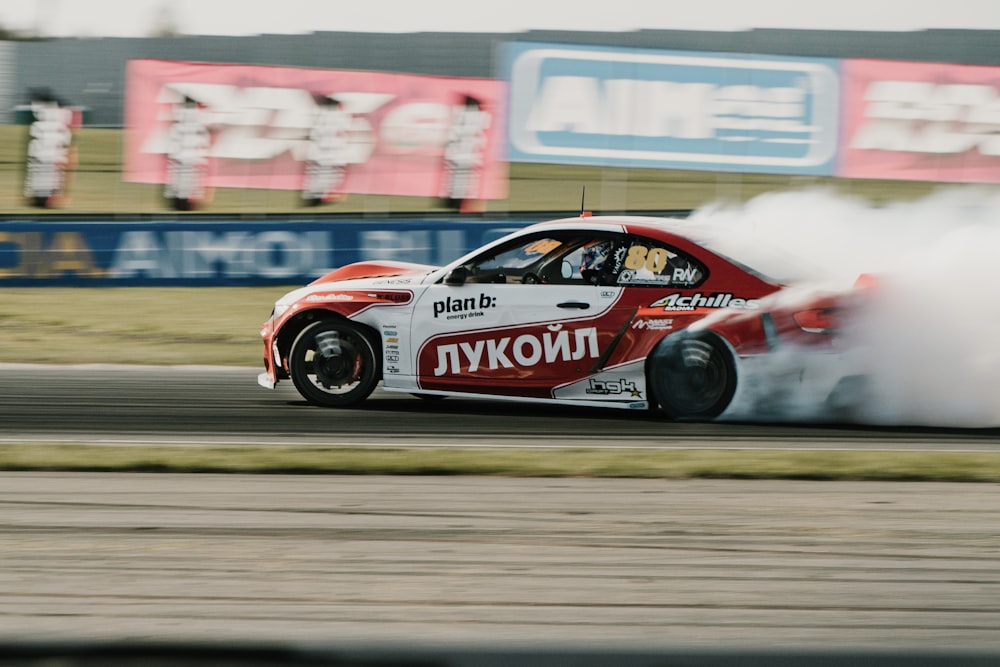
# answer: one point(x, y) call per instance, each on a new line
point(457, 276)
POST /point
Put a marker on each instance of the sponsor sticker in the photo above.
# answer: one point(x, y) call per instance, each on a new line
point(457, 308)
point(679, 302)
point(555, 345)
point(613, 388)
point(653, 325)
point(390, 348)
point(394, 297)
point(320, 298)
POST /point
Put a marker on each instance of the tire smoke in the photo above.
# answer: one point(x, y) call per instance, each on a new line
point(928, 341)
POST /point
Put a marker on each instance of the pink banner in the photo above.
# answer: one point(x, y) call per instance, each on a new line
point(323, 132)
point(921, 121)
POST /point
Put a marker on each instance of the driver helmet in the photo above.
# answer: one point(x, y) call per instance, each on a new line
point(595, 254)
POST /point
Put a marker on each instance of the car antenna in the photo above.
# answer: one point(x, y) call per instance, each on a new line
point(584, 213)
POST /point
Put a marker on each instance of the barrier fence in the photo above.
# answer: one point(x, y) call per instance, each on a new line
point(224, 252)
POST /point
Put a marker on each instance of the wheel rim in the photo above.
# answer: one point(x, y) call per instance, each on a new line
point(334, 363)
point(699, 379)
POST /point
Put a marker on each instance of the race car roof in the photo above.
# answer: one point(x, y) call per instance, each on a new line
point(770, 262)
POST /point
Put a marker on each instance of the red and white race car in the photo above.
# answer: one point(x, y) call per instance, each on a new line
point(622, 312)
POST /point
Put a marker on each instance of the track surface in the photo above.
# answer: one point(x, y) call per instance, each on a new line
point(200, 405)
point(508, 562)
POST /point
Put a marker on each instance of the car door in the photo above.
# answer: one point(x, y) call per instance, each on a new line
point(523, 318)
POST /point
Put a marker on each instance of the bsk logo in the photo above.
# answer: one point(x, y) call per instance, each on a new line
point(614, 388)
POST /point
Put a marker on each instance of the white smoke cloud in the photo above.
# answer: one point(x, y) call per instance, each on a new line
point(930, 342)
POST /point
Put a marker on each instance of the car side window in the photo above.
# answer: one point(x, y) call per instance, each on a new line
point(652, 263)
point(560, 258)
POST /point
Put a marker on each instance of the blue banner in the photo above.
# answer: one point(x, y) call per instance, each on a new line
point(671, 109)
point(287, 252)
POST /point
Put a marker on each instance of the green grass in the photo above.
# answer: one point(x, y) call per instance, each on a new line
point(135, 325)
point(635, 463)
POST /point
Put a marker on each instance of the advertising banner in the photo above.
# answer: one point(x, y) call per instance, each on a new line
point(223, 252)
point(921, 121)
point(670, 109)
point(197, 126)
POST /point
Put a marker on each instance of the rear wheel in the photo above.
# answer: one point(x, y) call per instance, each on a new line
point(334, 364)
point(692, 375)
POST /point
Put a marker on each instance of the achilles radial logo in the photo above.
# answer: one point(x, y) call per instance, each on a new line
point(628, 107)
point(698, 300)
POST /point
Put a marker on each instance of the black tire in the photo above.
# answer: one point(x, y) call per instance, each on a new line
point(333, 363)
point(692, 375)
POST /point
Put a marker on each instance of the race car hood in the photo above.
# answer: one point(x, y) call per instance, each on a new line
point(377, 269)
point(382, 281)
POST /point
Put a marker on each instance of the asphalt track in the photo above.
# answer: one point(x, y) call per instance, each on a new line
point(404, 561)
point(598, 563)
point(188, 405)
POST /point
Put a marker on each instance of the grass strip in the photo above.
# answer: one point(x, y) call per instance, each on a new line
point(583, 462)
point(218, 326)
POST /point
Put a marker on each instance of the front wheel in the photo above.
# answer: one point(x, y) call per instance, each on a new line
point(693, 376)
point(334, 364)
